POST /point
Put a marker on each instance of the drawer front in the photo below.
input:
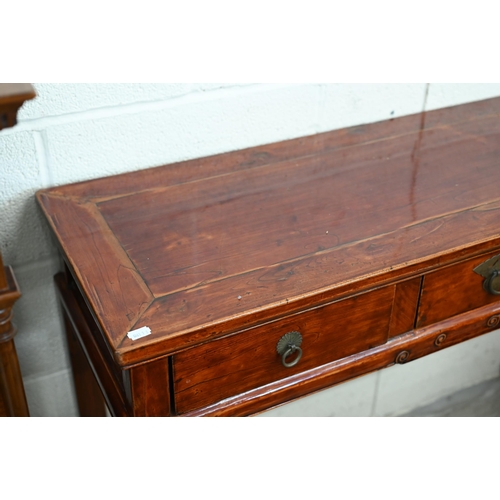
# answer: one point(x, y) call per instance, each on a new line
point(454, 290)
point(230, 366)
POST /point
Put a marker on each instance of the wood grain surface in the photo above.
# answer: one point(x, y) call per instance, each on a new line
point(453, 290)
point(412, 345)
point(201, 249)
point(13, 401)
point(238, 363)
point(95, 376)
point(150, 387)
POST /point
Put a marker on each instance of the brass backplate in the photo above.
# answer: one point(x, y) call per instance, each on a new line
point(289, 339)
point(488, 266)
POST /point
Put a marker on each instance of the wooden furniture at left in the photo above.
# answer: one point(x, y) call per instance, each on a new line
point(12, 396)
point(12, 97)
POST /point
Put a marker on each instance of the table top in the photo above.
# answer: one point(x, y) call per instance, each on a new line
point(202, 248)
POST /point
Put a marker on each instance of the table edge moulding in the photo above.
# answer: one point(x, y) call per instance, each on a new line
point(231, 284)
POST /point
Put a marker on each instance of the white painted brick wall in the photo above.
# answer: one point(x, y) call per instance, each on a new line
point(73, 132)
point(346, 105)
point(69, 98)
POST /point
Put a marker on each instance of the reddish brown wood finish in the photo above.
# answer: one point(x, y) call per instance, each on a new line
point(3, 405)
point(3, 276)
point(217, 248)
point(236, 364)
point(99, 381)
point(404, 312)
point(12, 396)
point(89, 396)
point(417, 343)
point(12, 97)
point(176, 243)
point(95, 378)
point(150, 386)
point(453, 290)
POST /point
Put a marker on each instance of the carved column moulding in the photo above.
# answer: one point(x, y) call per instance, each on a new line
point(12, 397)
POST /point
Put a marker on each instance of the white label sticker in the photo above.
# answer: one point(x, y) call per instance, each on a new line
point(139, 333)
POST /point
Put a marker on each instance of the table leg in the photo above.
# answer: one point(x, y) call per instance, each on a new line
point(12, 396)
point(11, 382)
point(88, 394)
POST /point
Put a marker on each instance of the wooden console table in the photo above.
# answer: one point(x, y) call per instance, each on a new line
point(228, 285)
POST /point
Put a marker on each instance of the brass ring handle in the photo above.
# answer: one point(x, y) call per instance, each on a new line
point(288, 345)
point(488, 283)
point(291, 349)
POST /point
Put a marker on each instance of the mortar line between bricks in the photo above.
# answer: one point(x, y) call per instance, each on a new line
point(375, 396)
point(42, 157)
point(33, 378)
point(31, 265)
point(147, 106)
point(320, 109)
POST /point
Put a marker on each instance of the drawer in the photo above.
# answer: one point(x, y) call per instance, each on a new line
point(454, 290)
point(230, 366)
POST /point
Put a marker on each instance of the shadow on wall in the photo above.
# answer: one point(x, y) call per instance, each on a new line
point(25, 236)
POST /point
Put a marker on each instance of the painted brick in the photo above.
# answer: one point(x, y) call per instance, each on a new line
point(62, 98)
point(442, 95)
point(204, 87)
point(40, 340)
point(101, 147)
point(346, 105)
point(23, 234)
